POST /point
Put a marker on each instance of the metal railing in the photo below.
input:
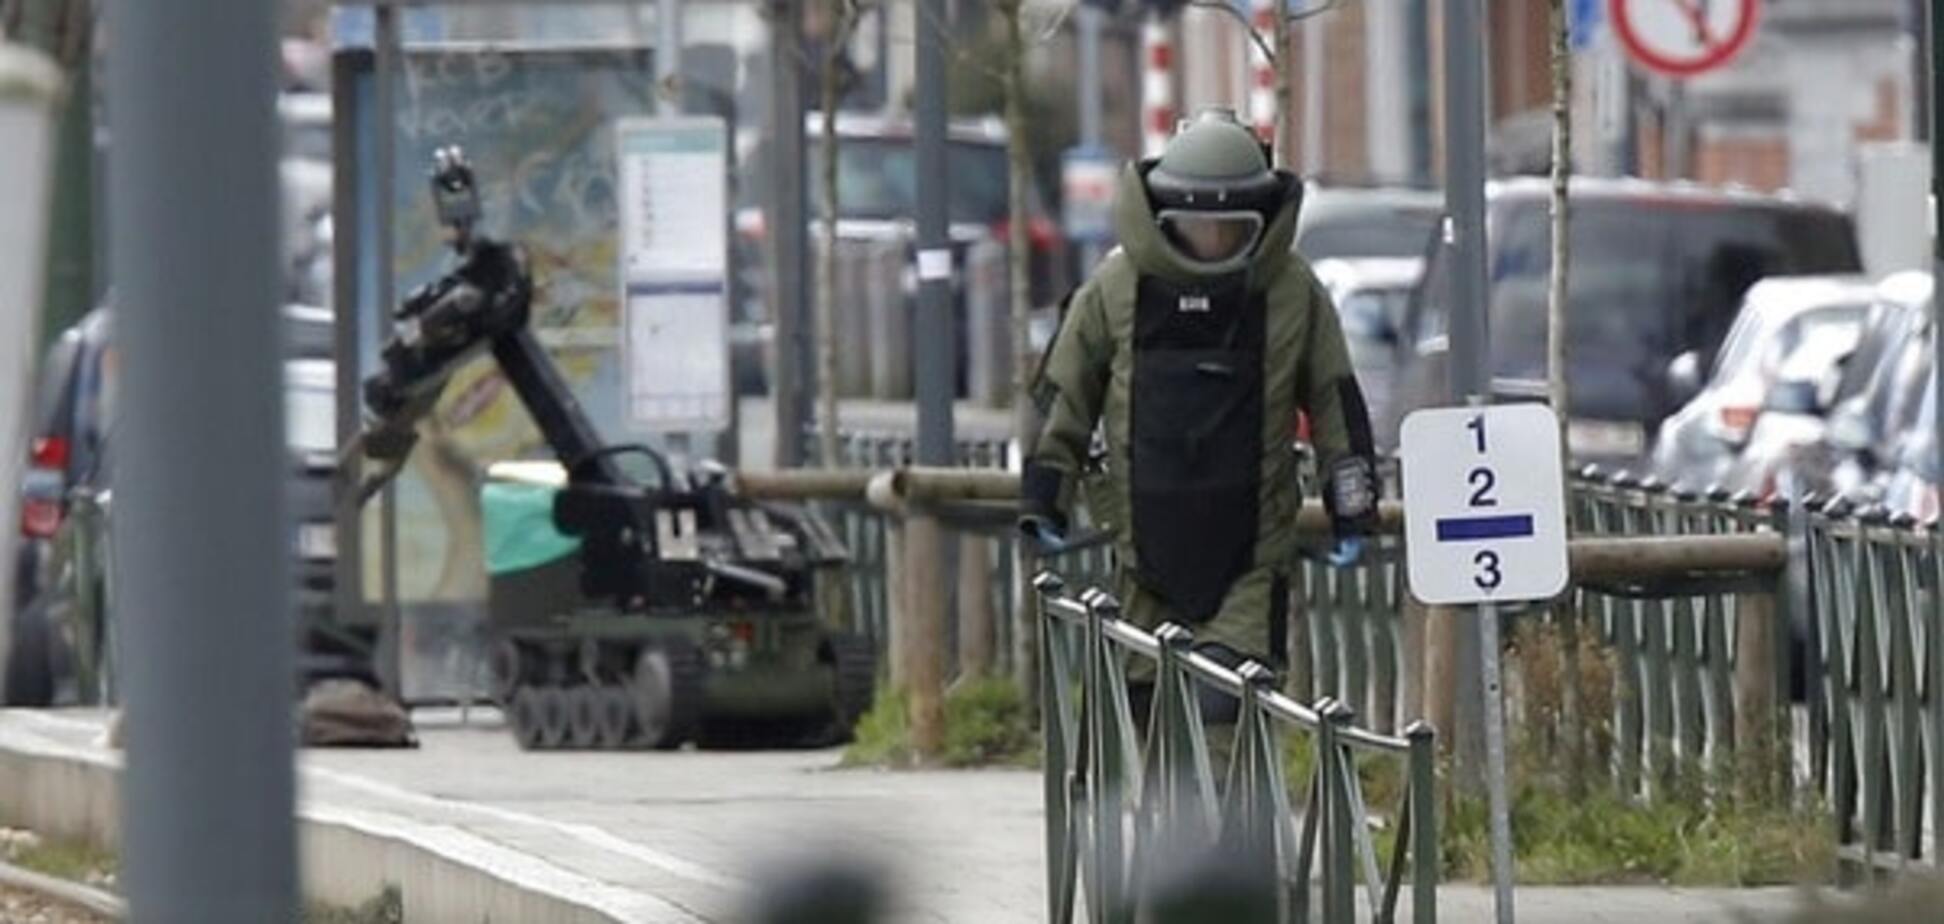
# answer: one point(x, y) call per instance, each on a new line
point(1348, 637)
point(1699, 666)
point(1121, 798)
point(1795, 646)
point(872, 536)
point(82, 574)
point(1876, 723)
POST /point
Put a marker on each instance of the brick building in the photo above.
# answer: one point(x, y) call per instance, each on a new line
point(1823, 80)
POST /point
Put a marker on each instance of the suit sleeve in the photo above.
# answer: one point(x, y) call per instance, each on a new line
point(1340, 426)
point(1070, 390)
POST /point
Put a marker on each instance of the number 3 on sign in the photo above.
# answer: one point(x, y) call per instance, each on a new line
point(1488, 576)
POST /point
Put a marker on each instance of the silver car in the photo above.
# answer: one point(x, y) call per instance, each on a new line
point(1698, 446)
point(1372, 299)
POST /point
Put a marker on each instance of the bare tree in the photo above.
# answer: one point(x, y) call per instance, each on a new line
point(1556, 328)
point(843, 16)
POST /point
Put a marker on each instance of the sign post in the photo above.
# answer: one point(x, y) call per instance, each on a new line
point(1485, 524)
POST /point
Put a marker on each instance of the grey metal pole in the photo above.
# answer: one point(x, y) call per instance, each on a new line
point(1088, 27)
point(789, 282)
point(1674, 131)
point(1465, 197)
point(208, 832)
point(668, 47)
point(348, 572)
point(1470, 363)
point(1936, 136)
point(1315, 53)
point(390, 655)
point(1499, 802)
point(1920, 70)
point(934, 351)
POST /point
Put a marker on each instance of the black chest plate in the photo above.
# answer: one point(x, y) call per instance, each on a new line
point(1196, 432)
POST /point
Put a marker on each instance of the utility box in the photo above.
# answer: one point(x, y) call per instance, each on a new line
point(1893, 207)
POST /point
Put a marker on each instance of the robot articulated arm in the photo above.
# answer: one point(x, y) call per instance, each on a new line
point(632, 531)
point(482, 304)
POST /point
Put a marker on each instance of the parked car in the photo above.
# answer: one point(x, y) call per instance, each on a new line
point(1910, 485)
point(1800, 325)
point(1798, 453)
point(877, 199)
point(1793, 415)
point(1360, 223)
point(1877, 400)
point(1372, 297)
point(68, 463)
point(1658, 273)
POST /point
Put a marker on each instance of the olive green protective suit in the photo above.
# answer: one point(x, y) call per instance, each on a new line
point(1196, 381)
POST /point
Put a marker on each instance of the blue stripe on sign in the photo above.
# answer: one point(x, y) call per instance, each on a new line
point(700, 287)
point(1469, 529)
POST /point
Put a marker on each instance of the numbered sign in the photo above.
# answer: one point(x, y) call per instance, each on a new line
point(1484, 504)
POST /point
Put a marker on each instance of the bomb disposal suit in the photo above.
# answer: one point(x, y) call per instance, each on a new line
point(1194, 347)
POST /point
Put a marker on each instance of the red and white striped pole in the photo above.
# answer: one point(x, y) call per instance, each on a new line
point(1157, 86)
point(1262, 71)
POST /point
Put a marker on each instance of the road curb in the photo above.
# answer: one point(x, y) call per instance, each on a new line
point(64, 891)
point(443, 874)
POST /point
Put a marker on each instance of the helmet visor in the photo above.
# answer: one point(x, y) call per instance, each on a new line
point(1211, 241)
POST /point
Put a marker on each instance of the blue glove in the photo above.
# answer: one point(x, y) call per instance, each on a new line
point(1046, 537)
point(1348, 551)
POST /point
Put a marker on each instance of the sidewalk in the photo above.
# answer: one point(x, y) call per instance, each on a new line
point(683, 837)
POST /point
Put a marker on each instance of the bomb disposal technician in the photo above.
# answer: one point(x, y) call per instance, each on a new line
point(1194, 347)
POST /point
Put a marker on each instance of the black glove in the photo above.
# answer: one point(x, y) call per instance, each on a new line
point(1350, 494)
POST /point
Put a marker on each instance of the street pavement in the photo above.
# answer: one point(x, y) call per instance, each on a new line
point(685, 836)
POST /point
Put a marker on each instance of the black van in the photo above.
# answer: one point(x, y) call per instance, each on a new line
point(1657, 275)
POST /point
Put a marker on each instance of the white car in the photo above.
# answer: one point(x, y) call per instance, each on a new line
point(1698, 445)
point(1372, 299)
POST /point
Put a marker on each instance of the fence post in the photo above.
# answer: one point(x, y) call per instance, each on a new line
point(1027, 665)
point(1301, 681)
point(1413, 617)
point(1107, 775)
point(1058, 772)
point(922, 634)
point(1425, 856)
point(1339, 844)
point(977, 619)
point(1755, 668)
point(897, 599)
point(1441, 627)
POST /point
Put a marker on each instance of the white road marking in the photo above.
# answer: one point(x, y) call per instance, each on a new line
point(588, 834)
point(585, 833)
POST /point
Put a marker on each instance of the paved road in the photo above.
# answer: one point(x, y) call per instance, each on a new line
point(683, 836)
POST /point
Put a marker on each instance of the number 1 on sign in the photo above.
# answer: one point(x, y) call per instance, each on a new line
point(1477, 427)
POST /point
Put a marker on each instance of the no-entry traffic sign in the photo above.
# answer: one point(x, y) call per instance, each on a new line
point(1682, 38)
point(1484, 504)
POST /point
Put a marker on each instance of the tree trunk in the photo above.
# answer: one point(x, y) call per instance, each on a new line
point(1557, 318)
point(826, 333)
